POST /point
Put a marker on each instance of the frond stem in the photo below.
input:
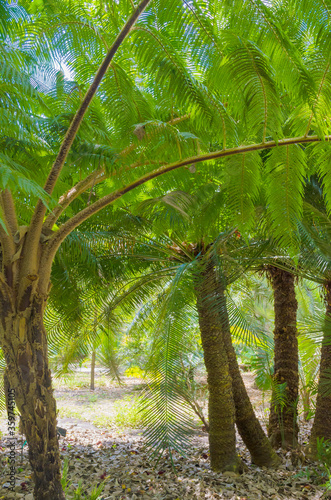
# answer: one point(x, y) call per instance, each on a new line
point(75, 124)
point(89, 181)
point(84, 184)
point(6, 235)
point(72, 194)
point(7, 247)
point(39, 213)
point(87, 212)
point(8, 208)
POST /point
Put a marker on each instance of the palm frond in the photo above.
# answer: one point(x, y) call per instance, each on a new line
point(167, 415)
point(285, 169)
point(243, 173)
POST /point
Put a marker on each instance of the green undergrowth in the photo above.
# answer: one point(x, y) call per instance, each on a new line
point(319, 473)
point(124, 414)
point(80, 380)
point(79, 493)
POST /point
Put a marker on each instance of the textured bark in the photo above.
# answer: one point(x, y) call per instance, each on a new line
point(283, 428)
point(221, 411)
point(248, 425)
point(23, 340)
point(322, 421)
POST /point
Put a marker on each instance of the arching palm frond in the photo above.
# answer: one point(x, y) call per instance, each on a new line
point(242, 187)
point(166, 412)
point(285, 177)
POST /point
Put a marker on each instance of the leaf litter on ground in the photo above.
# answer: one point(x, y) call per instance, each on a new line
point(124, 464)
point(120, 460)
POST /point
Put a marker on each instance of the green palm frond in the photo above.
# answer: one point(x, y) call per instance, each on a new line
point(280, 397)
point(193, 77)
point(15, 181)
point(107, 354)
point(243, 330)
point(285, 169)
point(243, 173)
point(246, 66)
point(167, 415)
point(314, 230)
point(261, 363)
point(321, 157)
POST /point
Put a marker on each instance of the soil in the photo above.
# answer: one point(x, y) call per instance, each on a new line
point(104, 446)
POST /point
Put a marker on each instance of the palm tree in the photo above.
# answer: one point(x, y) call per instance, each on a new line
point(210, 305)
point(241, 112)
point(221, 408)
point(224, 380)
point(27, 371)
point(313, 265)
point(219, 351)
point(315, 230)
point(283, 428)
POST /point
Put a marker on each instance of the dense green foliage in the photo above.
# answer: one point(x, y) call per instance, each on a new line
point(208, 134)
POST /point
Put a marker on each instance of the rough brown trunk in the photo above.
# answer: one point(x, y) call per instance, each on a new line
point(222, 435)
point(23, 340)
point(322, 421)
point(283, 428)
point(92, 371)
point(248, 425)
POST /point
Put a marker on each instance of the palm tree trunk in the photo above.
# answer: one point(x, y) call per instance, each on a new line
point(248, 425)
point(322, 421)
point(221, 411)
point(283, 428)
point(23, 339)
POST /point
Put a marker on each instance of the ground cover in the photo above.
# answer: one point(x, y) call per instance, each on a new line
point(104, 448)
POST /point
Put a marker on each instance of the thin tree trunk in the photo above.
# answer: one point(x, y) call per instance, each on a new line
point(248, 425)
point(283, 427)
point(221, 411)
point(92, 371)
point(322, 421)
point(25, 348)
